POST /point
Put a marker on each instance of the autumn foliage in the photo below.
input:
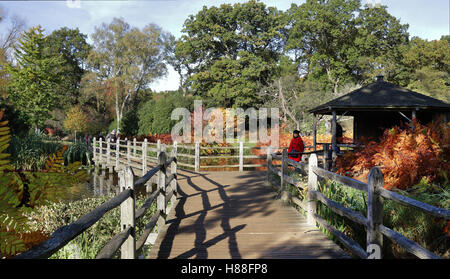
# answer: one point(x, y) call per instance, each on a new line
point(404, 156)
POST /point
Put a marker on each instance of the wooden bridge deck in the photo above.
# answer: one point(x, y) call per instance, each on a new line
point(223, 215)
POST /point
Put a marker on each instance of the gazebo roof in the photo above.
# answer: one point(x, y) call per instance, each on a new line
point(381, 95)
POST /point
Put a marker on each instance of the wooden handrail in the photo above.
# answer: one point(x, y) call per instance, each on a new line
point(374, 219)
point(427, 208)
point(114, 244)
point(65, 234)
point(125, 240)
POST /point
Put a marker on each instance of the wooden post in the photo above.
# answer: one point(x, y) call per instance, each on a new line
point(197, 157)
point(241, 156)
point(158, 147)
point(161, 200)
point(108, 156)
point(134, 147)
point(101, 153)
point(325, 156)
point(109, 184)
point(269, 162)
point(312, 186)
point(94, 150)
point(333, 139)
point(173, 170)
point(315, 132)
point(375, 212)
point(128, 152)
point(117, 153)
point(284, 165)
point(144, 156)
point(127, 213)
point(413, 117)
point(108, 151)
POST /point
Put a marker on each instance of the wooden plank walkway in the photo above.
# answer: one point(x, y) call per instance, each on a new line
point(223, 215)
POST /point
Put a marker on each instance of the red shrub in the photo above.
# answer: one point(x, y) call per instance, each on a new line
point(404, 156)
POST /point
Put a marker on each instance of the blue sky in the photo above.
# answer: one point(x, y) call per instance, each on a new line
point(428, 19)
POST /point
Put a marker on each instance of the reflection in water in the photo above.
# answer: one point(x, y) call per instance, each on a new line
point(104, 184)
point(101, 183)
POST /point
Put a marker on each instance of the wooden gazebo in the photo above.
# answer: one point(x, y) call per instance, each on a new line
point(380, 105)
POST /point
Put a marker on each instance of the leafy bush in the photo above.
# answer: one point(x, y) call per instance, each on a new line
point(404, 156)
point(78, 151)
point(21, 191)
point(154, 115)
point(17, 119)
point(129, 123)
point(30, 152)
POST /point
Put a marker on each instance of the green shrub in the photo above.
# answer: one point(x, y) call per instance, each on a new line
point(129, 123)
point(78, 151)
point(30, 152)
point(154, 115)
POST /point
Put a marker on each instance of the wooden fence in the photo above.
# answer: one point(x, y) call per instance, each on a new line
point(139, 154)
point(375, 230)
point(126, 240)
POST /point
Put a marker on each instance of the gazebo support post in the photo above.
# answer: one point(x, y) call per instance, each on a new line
point(333, 138)
point(315, 132)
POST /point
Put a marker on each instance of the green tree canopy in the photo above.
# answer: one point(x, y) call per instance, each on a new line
point(230, 51)
point(338, 41)
point(72, 46)
point(154, 115)
point(35, 77)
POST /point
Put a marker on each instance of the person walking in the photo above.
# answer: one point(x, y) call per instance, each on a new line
point(296, 146)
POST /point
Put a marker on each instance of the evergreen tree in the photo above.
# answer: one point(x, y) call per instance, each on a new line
point(34, 78)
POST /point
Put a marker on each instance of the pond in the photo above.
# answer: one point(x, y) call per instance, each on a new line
point(101, 183)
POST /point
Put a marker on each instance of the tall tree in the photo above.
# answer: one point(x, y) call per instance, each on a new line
point(231, 51)
point(76, 120)
point(129, 58)
point(338, 41)
point(427, 65)
point(322, 34)
point(72, 46)
point(35, 77)
point(7, 42)
point(380, 40)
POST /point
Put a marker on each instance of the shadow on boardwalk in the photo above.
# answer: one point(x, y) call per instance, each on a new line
point(235, 215)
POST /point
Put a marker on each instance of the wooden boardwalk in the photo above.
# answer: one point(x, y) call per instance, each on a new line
point(223, 215)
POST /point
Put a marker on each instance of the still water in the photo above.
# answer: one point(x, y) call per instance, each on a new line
point(101, 183)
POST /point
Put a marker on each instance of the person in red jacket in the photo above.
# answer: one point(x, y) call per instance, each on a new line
point(296, 146)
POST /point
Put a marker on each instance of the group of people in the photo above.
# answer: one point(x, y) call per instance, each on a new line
point(111, 136)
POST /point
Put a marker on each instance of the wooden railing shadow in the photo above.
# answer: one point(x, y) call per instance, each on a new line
point(200, 243)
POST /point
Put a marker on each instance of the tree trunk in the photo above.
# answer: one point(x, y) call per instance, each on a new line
point(117, 109)
point(284, 106)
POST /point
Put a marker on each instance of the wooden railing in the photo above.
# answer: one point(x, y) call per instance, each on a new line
point(139, 154)
point(373, 221)
point(126, 240)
